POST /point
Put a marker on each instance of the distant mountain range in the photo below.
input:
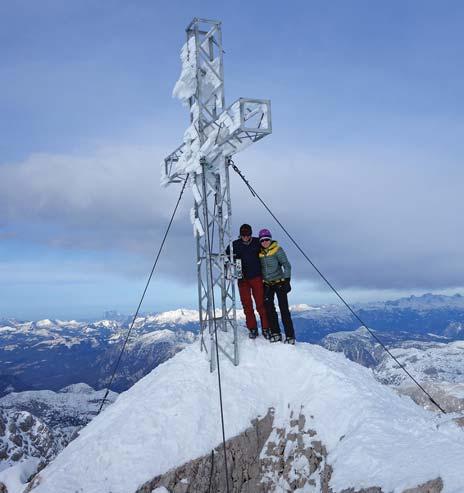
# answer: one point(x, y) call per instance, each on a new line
point(52, 354)
point(428, 317)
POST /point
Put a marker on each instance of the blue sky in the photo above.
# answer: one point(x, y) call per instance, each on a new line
point(366, 147)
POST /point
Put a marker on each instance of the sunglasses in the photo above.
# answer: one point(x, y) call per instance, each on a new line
point(264, 241)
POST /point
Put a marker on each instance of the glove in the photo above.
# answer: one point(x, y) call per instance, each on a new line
point(285, 286)
point(289, 287)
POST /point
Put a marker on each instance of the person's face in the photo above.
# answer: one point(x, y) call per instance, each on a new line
point(246, 237)
point(265, 243)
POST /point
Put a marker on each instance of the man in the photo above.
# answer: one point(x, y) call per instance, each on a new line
point(250, 286)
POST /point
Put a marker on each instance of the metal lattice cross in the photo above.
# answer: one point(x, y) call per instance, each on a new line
point(214, 135)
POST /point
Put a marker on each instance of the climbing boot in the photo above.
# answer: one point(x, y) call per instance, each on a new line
point(266, 334)
point(253, 334)
point(275, 337)
point(290, 340)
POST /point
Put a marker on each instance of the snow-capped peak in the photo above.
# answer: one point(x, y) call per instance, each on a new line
point(179, 316)
point(77, 388)
point(303, 307)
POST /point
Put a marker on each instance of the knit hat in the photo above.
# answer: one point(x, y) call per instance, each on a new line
point(265, 234)
point(245, 230)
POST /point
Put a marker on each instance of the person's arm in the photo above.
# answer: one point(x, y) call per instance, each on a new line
point(283, 261)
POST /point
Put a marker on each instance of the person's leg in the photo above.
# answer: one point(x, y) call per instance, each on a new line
point(270, 310)
point(287, 322)
point(244, 289)
point(257, 288)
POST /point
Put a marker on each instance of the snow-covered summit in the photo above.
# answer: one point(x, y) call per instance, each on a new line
point(373, 437)
point(77, 388)
point(361, 332)
point(180, 316)
point(46, 323)
point(303, 307)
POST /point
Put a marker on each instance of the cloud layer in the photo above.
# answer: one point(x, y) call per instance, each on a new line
point(369, 221)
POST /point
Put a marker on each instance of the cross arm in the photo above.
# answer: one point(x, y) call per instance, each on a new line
point(242, 123)
point(170, 162)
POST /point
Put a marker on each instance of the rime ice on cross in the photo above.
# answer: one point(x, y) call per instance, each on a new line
point(215, 133)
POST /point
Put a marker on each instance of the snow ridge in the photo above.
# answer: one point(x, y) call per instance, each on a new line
point(171, 416)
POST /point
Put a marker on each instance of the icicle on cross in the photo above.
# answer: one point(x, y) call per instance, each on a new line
point(214, 135)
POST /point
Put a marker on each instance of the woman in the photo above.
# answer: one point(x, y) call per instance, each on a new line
point(276, 270)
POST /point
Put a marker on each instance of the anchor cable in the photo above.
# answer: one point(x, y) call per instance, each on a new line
point(400, 365)
point(143, 295)
point(217, 347)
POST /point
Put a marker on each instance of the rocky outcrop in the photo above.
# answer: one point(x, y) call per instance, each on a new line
point(258, 459)
point(22, 435)
point(441, 392)
point(357, 345)
point(41, 423)
point(433, 486)
point(264, 458)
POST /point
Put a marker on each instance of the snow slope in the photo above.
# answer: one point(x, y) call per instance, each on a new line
point(373, 436)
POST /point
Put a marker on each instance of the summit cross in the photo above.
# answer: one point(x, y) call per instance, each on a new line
point(214, 135)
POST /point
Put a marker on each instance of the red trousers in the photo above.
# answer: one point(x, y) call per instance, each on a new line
point(248, 287)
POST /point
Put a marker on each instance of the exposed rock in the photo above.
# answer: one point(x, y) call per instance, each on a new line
point(207, 472)
point(357, 345)
point(374, 489)
point(433, 486)
point(262, 459)
point(3, 451)
point(441, 393)
point(26, 436)
point(27, 423)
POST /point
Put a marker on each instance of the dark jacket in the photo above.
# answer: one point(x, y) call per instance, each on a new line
point(274, 263)
point(248, 254)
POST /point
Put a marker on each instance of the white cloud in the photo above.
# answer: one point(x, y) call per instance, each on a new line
point(369, 221)
point(116, 186)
